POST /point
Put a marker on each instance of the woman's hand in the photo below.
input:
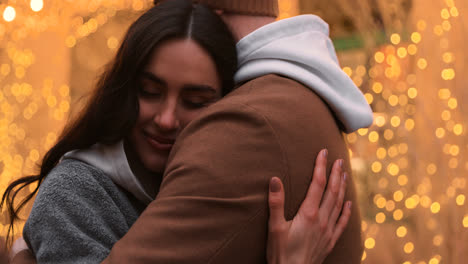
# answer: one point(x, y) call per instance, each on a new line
point(19, 246)
point(313, 232)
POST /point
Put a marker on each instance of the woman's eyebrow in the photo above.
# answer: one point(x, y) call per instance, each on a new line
point(199, 88)
point(152, 77)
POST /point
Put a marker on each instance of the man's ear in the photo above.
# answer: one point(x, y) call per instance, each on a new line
point(219, 11)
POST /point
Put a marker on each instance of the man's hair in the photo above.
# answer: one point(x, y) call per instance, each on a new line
point(244, 7)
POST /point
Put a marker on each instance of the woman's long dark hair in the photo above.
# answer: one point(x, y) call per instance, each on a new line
point(113, 109)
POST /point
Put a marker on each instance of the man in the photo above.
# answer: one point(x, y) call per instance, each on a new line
point(212, 205)
point(293, 99)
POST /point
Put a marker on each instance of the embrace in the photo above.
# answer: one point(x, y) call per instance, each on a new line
point(213, 136)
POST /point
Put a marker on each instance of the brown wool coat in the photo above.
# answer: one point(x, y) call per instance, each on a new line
point(212, 206)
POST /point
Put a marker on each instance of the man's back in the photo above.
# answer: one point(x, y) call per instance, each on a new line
point(212, 206)
point(304, 125)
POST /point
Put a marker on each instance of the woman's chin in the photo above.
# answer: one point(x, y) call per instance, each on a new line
point(155, 165)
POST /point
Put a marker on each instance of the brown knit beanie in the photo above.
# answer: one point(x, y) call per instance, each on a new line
point(245, 7)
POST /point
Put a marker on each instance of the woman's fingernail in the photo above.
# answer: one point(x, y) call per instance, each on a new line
point(324, 153)
point(275, 185)
point(349, 204)
point(345, 176)
point(341, 163)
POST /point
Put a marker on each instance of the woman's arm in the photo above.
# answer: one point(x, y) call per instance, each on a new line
point(313, 232)
point(77, 216)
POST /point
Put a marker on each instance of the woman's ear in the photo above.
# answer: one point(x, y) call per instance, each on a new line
point(219, 11)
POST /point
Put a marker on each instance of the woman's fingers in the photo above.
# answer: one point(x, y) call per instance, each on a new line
point(276, 203)
point(311, 203)
point(341, 224)
point(339, 201)
point(333, 188)
point(277, 222)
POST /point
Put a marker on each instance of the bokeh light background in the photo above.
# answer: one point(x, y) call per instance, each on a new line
point(407, 56)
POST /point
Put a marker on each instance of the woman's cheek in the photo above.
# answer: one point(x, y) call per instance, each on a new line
point(147, 110)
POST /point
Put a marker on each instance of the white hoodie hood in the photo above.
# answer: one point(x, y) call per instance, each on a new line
point(299, 48)
point(111, 159)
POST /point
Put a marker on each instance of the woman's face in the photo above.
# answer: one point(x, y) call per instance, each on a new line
point(179, 81)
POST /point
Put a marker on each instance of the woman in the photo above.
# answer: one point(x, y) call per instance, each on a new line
point(174, 61)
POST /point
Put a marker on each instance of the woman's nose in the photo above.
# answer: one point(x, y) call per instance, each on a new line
point(167, 119)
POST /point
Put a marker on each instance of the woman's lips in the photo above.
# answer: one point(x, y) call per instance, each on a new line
point(159, 143)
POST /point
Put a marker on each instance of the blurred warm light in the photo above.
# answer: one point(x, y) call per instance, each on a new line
point(437, 240)
point(9, 14)
point(435, 260)
point(379, 57)
point(448, 74)
point(422, 63)
point(412, 92)
point(380, 218)
point(395, 39)
point(369, 243)
point(448, 57)
point(409, 247)
point(416, 37)
point(435, 207)
point(401, 231)
point(373, 136)
point(377, 87)
point(452, 103)
point(37, 5)
point(460, 200)
point(348, 71)
point(412, 49)
point(398, 196)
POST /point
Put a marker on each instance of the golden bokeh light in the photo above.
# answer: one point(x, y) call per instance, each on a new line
point(416, 37)
point(465, 221)
point(437, 240)
point(380, 218)
point(37, 5)
point(435, 207)
point(398, 214)
point(408, 248)
point(369, 243)
point(422, 63)
point(401, 231)
point(395, 39)
point(9, 14)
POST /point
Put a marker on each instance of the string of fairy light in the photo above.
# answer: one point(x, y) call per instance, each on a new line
point(392, 90)
point(382, 156)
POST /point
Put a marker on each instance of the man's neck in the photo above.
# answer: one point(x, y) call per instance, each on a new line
point(242, 25)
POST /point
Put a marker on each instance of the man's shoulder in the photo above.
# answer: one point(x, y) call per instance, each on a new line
point(279, 98)
point(277, 91)
point(271, 83)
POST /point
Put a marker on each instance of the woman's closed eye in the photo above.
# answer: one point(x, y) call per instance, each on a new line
point(150, 89)
point(149, 93)
point(199, 101)
point(198, 96)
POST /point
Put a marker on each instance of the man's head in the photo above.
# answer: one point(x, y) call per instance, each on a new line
point(267, 8)
point(242, 16)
